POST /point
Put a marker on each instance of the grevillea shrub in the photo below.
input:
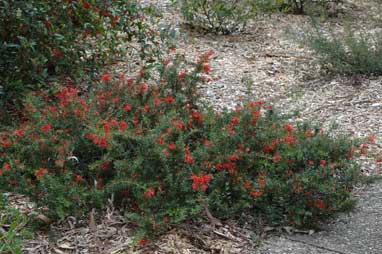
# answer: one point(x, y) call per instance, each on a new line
point(148, 142)
point(46, 41)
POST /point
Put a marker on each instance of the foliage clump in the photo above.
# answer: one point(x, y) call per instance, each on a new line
point(306, 6)
point(12, 228)
point(348, 54)
point(219, 16)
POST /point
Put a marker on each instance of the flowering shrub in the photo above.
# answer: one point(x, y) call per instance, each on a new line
point(219, 16)
point(148, 141)
point(44, 41)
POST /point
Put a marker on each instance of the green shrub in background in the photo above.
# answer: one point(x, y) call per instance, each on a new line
point(227, 16)
point(66, 41)
point(304, 6)
point(218, 16)
point(149, 142)
point(349, 54)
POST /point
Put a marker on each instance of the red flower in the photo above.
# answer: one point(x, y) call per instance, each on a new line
point(230, 129)
point(197, 117)
point(180, 125)
point(269, 148)
point(219, 166)
point(145, 108)
point(322, 163)
point(123, 126)
point(143, 242)
point(47, 23)
point(157, 101)
point(115, 20)
point(247, 184)
point(166, 153)
point(182, 74)
point(208, 143)
point(86, 5)
point(169, 99)
point(127, 107)
point(310, 163)
point(106, 77)
point(144, 87)
point(261, 102)
point(261, 179)
point(309, 133)
point(372, 138)
point(160, 140)
point(235, 120)
point(7, 167)
point(57, 53)
point(101, 142)
point(106, 127)
point(114, 122)
point(19, 133)
point(256, 193)
point(46, 127)
point(290, 139)
point(187, 157)
point(86, 33)
point(256, 115)
point(288, 127)
point(40, 172)
point(90, 136)
point(233, 158)
point(172, 146)
point(319, 204)
point(201, 182)
point(105, 166)
point(276, 158)
point(206, 68)
point(149, 193)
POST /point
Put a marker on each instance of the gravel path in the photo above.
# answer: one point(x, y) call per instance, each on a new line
point(359, 232)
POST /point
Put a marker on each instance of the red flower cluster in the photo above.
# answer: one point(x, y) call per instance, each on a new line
point(149, 193)
point(46, 127)
point(256, 193)
point(188, 157)
point(106, 78)
point(201, 182)
point(40, 172)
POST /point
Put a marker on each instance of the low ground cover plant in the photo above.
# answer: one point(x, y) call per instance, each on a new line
point(12, 228)
point(164, 156)
point(349, 54)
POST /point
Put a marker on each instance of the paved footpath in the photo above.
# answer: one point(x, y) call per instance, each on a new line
point(359, 232)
